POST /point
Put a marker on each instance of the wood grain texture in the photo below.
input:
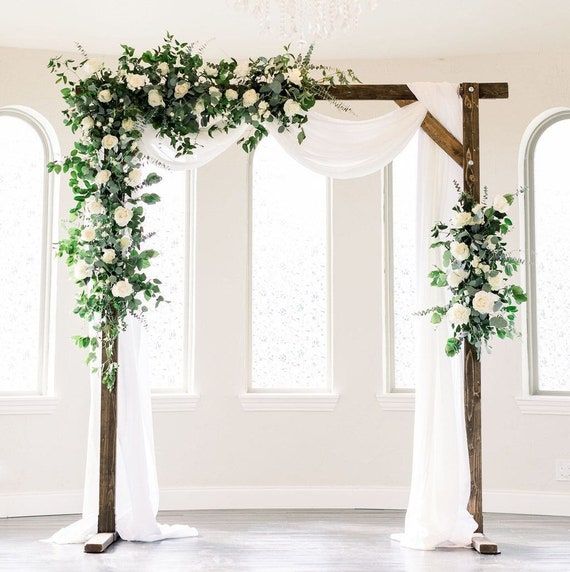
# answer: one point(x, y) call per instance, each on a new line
point(100, 542)
point(472, 379)
point(108, 453)
point(484, 546)
point(393, 92)
point(472, 395)
point(439, 134)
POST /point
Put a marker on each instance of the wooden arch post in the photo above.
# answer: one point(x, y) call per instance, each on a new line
point(106, 529)
point(467, 156)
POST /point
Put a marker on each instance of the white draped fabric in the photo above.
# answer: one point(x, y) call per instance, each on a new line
point(137, 483)
point(339, 149)
point(437, 509)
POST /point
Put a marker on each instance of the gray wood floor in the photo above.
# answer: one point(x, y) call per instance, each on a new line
point(289, 540)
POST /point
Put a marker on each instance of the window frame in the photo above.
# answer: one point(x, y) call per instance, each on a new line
point(42, 399)
point(544, 401)
point(185, 397)
point(288, 399)
point(390, 397)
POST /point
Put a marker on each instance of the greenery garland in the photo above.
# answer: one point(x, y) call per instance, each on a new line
point(173, 89)
point(476, 269)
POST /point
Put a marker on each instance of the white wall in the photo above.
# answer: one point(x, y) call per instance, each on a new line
point(357, 455)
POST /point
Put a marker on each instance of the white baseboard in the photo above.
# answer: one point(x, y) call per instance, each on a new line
point(292, 497)
point(40, 504)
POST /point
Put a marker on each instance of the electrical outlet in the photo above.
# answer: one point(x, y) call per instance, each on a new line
point(563, 470)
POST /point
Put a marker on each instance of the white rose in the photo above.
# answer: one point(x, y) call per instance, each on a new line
point(477, 209)
point(155, 98)
point(455, 277)
point(181, 89)
point(134, 178)
point(163, 68)
point(199, 107)
point(458, 314)
point(231, 94)
point(475, 262)
point(136, 81)
point(87, 123)
point(92, 66)
point(109, 255)
point(484, 301)
point(496, 282)
point(250, 97)
point(102, 177)
point(82, 270)
point(123, 216)
point(263, 106)
point(125, 242)
point(128, 124)
point(88, 234)
point(122, 289)
point(94, 206)
point(459, 250)
point(214, 91)
point(109, 141)
point(462, 219)
point(207, 69)
point(292, 108)
point(241, 70)
point(104, 96)
point(294, 76)
point(500, 204)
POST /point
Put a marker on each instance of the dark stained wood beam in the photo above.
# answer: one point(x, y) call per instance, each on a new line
point(107, 460)
point(362, 91)
point(440, 135)
point(472, 385)
point(470, 93)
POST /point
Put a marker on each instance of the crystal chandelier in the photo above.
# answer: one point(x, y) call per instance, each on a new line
point(306, 20)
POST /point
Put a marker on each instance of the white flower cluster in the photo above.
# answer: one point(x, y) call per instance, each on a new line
point(476, 269)
point(110, 107)
point(483, 300)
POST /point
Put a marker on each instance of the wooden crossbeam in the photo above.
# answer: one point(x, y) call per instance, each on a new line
point(440, 135)
point(363, 91)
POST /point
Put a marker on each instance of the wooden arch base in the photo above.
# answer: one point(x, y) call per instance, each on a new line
point(467, 156)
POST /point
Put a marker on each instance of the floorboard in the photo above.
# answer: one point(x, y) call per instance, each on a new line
point(290, 540)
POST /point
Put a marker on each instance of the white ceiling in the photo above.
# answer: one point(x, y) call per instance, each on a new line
point(398, 28)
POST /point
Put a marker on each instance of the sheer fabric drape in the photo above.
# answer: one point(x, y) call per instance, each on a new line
point(437, 509)
point(339, 149)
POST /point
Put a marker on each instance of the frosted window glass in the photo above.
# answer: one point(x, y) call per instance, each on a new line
point(404, 180)
point(164, 338)
point(551, 268)
point(22, 200)
point(289, 349)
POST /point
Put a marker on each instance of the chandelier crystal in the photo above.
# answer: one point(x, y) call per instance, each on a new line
point(306, 20)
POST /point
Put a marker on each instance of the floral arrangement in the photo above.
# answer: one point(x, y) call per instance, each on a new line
point(476, 268)
point(176, 91)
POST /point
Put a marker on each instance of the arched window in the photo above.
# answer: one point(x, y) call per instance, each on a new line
point(27, 144)
point(167, 336)
point(289, 274)
point(547, 233)
point(400, 279)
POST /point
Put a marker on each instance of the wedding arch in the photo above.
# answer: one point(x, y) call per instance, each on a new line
point(173, 107)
